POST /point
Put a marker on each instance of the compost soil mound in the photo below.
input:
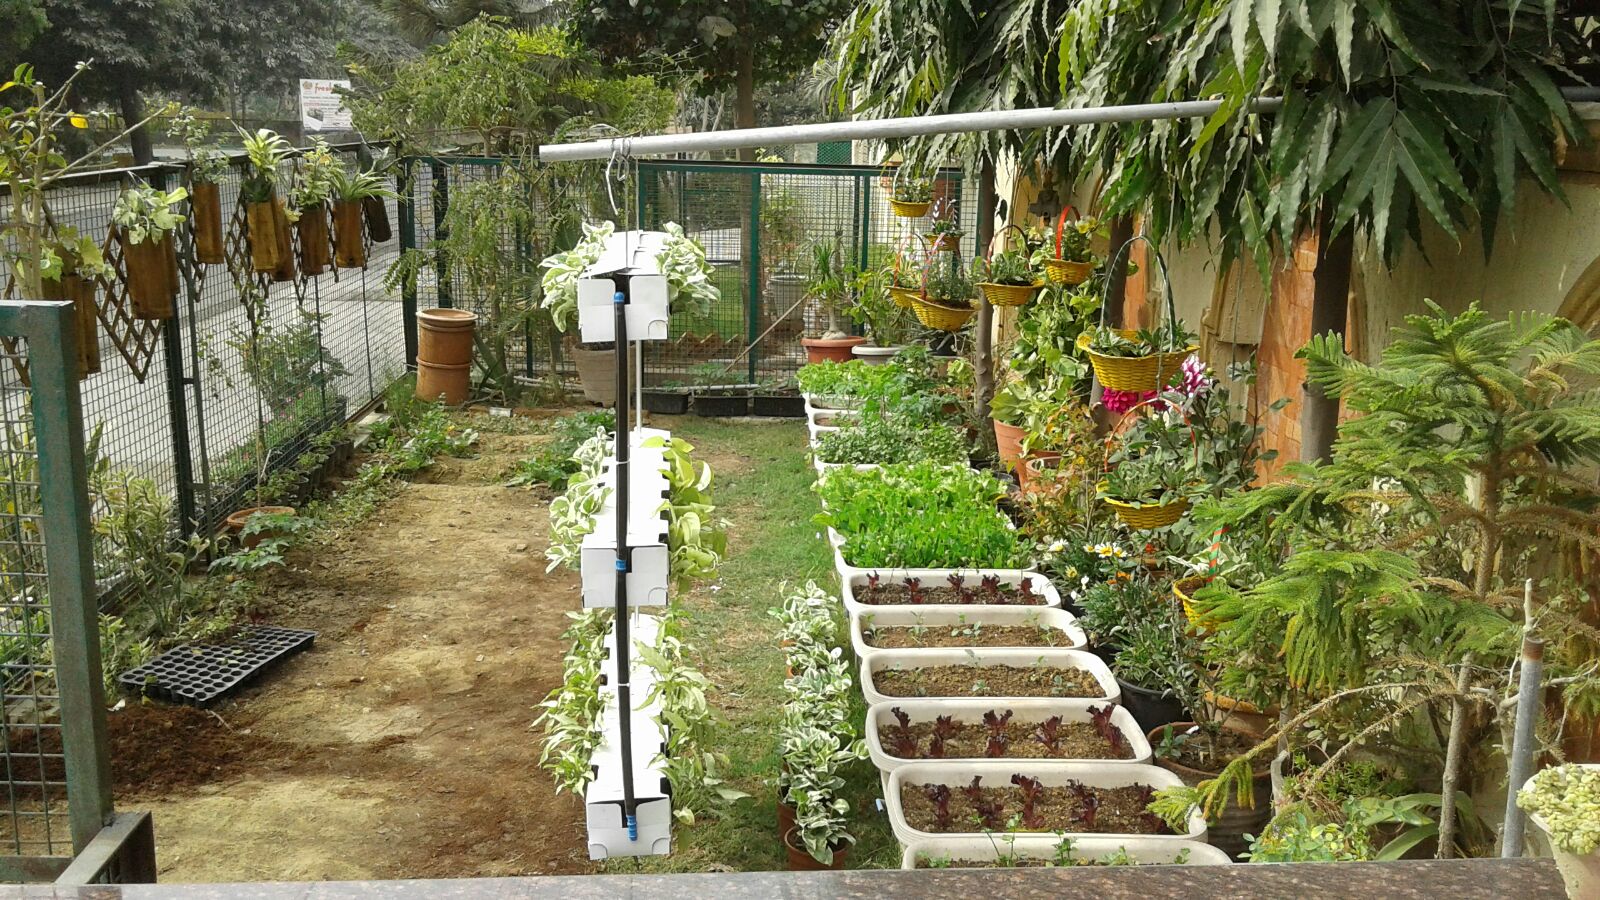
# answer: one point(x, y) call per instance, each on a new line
point(401, 745)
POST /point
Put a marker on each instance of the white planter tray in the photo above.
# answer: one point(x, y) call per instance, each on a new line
point(997, 773)
point(1147, 851)
point(847, 571)
point(647, 582)
point(603, 798)
point(823, 468)
point(1030, 711)
point(864, 618)
point(879, 660)
point(830, 406)
point(816, 432)
point(936, 577)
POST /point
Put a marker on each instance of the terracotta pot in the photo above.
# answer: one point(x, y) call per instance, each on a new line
point(1027, 472)
point(349, 249)
point(1243, 714)
point(1227, 832)
point(449, 384)
point(261, 229)
point(80, 292)
point(597, 372)
point(444, 336)
point(205, 208)
point(235, 521)
point(377, 213)
point(1008, 438)
point(801, 861)
point(316, 253)
point(785, 818)
point(830, 349)
point(285, 270)
point(151, 276)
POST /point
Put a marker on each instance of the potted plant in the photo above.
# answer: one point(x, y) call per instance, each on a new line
point(1138, 360)
point(903, 276)
point(1134, 625)
point(946, 300)
point(76, 267)
point(777, 398)
point(889, 324)
point(1197, 752)
point(965, 730)
point(1074, 259)
point(689, 287)
point(1149, 491)
point(308, 207)
point(910, 192)
point(350, 192)
point(265, 221)
point(945, 235)
point(830, 288)
point(207, 166)
point(1008, 278)
point(1563, 802)
point(145, 219)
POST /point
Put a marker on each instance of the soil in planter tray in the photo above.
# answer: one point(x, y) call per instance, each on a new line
point(913, 592)
point(972, 740)
point(1198, 753)
point(1070, 807)
point(925, 861)
point(986, 681)
point(974, 635)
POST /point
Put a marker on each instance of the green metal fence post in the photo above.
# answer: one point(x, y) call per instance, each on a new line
point(406, 210)
point(753, 274)
point(52, 338)
point(178, 407)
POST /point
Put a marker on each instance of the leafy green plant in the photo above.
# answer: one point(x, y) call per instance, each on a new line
point(207, 164)
point(288, 364)
point(907, 376)
point(570, 714)
point(1073, 239)
point(884, 514)
point(830, 285)
point(911, 185)
point(265, 151)
point(572, 515)
point(313, 180)
point(349, 186)
point(1007, 267)
point(887, 323)
point(807, 627)
point(696, 539)
point(146, 214)
point(277, 532)
point(1567, 799)
point(946, 283)
point(682, 261)
point(1149, 480)
point(1167, 336)
point(552, 463)
point(880, 437)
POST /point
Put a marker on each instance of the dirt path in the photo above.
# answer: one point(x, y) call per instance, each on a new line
point(401, 745)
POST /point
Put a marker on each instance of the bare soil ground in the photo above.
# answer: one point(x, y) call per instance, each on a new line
point(401, 745)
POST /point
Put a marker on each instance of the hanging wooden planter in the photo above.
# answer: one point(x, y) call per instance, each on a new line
point(316, 253)
point(285, 269)
point(205, 207)
point(377, 219)
point(80, 292)
point(152, 276)
point(261, 221)
point(349, 250)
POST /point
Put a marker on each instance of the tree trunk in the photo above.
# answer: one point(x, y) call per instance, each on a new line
point(983, 391)
point(1117, 276)
point(1330, 310)
point(132, 114)
point(744, 112)
point(1453, 763)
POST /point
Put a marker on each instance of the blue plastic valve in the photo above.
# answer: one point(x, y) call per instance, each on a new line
point(619, 298)
point(633, 828)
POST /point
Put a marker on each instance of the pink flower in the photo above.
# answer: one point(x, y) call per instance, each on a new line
point(1196, 377)
point(1121, 401)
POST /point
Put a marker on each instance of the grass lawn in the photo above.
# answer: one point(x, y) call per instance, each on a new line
point(773, 544)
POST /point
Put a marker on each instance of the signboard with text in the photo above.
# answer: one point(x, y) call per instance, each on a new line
point(321, 107)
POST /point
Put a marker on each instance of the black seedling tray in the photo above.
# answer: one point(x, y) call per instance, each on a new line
point(202, 674)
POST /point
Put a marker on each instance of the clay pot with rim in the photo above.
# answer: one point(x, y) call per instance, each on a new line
point(1227, 832)
point(785, 818)
point(1008, 439)
point(873, 355)
point(234, 523)
point(801, 861)
point(316, 255)
point(444, 354)
point(1033, 468)
point(349, 248)
point(205, 208)
point(830, 349)
point(597, 373)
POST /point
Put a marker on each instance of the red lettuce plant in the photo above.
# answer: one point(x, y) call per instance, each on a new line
point(939, 796)
point(1032, 789)
point(901, 741)
point(1048, 733)
point(1100, 718)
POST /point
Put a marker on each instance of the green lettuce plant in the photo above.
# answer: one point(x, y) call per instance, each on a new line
point(884, 516)
point(888, 436)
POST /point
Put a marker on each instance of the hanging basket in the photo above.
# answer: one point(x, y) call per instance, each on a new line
point(1145, 517)
point(261, 227)
point(1136, 374)
point(1184, 589)
point(904, 298)
point(948, 242)
point(1062, 271)
point(151, 276)
point(908, 210)
point(349, 249)
point(205, 205)
point(1010, 294)
point(938, 317)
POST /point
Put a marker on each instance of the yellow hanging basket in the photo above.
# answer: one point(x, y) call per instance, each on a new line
point(1137, 374)
point(1182, 589)
point(1144, 517)
point(906, 210)
point(1063, 271)
point(1010, 294)
point(904, 298)
point(941, 318)
point(948, 242)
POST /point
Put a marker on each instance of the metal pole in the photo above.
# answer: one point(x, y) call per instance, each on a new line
point(752, 316)
point(624, 563)
point(178, 407)
point(406, 209)
point(1530, 695)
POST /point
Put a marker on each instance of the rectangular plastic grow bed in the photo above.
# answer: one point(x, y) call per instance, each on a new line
point(851, 584)
point(1142, 850)
point(1030, 712)
point(864, 618)
point(1032, 658)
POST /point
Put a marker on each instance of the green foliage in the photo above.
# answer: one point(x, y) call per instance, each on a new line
point(146, 214)
point(883, 516)
point(570, 717)
point(552, 463)
point(682, 260)
point(906, 376)
point(207, 164)
point(889, 436)
point(572, 515)
point(313, 179)
point(911, 185)
point(886, 322)
point(1149, 480)
point(275, 533)
point(1007, 267)
point(264, 151)
point(364, 185)
point(696, 539)
point(1567, 798)
point(289, 365)
point(1167, 336)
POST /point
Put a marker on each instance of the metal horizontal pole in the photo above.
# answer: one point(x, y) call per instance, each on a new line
point(911, 126)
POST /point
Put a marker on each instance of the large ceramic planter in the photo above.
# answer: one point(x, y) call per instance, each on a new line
point(1580, 873)
point(830, 349)
point(1152, 708)
point(946, 616)
point(984, 657)
point(874, 355)
point(1228, 832)
point(205, 209)
point(970, 712)
point(997, 773)
point(1144, 851)
point(444, 354)
point(1008, 439)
